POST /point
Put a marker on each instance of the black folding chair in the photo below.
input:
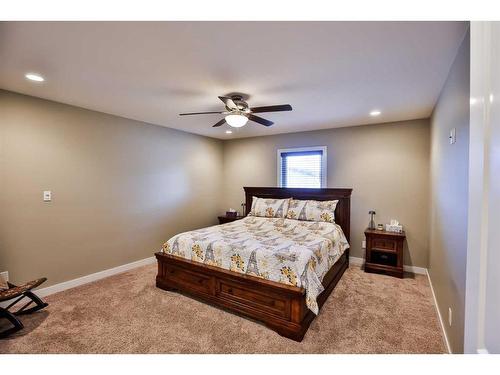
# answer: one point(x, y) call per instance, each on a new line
point(20, 292)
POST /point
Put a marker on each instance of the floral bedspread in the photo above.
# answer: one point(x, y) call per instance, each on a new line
point(288, 251)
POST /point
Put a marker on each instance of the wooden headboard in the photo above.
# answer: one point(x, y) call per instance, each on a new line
point(342, 212)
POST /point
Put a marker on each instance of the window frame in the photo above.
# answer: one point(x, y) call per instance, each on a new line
point(303, 149)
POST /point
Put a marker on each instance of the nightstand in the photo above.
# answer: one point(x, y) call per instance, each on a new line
point(228, 219)
point(384, 252)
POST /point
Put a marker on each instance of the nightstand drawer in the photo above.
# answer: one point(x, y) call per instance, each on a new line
point(384, 243)
point(387, 259)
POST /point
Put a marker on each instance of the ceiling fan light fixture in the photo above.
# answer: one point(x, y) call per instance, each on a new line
point(236, 120)
point(237, 112)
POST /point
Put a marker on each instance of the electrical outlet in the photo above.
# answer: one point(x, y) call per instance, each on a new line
point(450, 315)
point(363, 244)
point(4, 275)
point(453, 136)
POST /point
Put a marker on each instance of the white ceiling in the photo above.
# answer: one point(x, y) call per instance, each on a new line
point(332, 73)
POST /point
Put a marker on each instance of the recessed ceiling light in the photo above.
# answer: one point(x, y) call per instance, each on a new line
point(375, 113)
point(229, 132)
point(34, 77)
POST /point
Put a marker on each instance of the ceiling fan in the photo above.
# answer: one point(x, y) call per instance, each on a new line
point(238, 112)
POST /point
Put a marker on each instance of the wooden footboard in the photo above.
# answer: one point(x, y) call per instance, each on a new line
point(280, 307)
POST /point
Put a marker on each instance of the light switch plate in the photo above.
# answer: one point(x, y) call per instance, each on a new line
point(47, 196)
point(450, 316)
point(363, 244)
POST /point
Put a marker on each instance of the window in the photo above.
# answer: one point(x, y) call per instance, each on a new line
point(302, 167)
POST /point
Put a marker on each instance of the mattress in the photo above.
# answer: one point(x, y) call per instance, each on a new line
point(287, 251)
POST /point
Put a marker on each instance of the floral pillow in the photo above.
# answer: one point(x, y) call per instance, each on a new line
point(269, 207)
point(310, 210)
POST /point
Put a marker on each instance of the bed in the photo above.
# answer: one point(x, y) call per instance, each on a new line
point(279, 295)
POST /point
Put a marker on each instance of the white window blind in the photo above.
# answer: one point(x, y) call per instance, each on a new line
point(302, 168)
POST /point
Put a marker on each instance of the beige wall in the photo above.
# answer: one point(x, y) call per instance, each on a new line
point(387, 165)
point(120, 188)
point(449, 196)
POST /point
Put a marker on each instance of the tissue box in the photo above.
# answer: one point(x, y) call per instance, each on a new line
point(394, 228)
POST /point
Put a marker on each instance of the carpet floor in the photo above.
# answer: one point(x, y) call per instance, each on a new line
point(126, 313)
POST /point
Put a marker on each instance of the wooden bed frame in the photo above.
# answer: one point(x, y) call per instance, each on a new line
point(280, 307)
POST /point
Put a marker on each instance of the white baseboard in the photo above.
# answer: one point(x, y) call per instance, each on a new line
point(43, 292)
point(356, 261)
point(416, 270)
point(413, 269)
point(441, 322)
point(56, 288)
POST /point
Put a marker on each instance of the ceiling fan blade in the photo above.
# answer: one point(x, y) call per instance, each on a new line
point(220, 123)
point(228, 102)
point(199, 113)
point(260, 120)
point(272, 108)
